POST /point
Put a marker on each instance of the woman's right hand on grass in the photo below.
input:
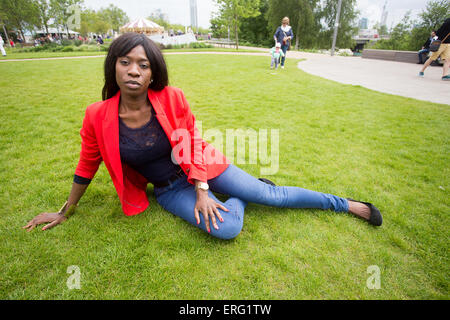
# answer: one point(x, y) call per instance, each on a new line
point(55, 218)
point(52, 218)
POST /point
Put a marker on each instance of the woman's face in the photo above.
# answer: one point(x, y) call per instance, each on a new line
point(133, 72)
point(285, 22)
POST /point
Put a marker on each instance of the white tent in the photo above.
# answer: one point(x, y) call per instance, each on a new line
point(175, 40)
point(142, 25)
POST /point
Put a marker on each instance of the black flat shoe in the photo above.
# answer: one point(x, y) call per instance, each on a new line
point(375, 215)
point(267, 181)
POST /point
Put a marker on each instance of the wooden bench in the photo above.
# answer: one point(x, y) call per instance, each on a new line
point(399, 56)
point(391, 55)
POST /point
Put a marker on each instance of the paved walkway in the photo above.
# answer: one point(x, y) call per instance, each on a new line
point(397, 78)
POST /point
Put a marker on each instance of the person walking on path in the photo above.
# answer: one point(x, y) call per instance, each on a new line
point(284, 35)
point(1, 46)
point(443, 34)
point(137, 130)
point(426, 47)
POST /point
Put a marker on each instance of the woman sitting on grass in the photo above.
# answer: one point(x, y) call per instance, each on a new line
point(136, 131)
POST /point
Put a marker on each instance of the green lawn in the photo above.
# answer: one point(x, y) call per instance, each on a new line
point(13, 54)
point(44, 54)
point(334, 138)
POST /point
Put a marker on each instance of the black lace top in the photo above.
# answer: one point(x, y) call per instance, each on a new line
point(146, 149)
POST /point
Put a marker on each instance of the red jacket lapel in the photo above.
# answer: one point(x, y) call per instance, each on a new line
point(110, 128)
point(160, 112)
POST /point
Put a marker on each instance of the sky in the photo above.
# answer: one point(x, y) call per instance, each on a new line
point(178, 10)
point(372, 10)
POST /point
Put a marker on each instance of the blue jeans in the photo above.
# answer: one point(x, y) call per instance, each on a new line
point(421, 52)
point(180, 197)
point(284, 49)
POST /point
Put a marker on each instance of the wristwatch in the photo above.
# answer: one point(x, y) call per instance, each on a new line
point(202, 186)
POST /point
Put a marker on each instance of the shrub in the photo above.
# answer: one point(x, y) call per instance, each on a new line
point(245, 43)
point(66, 42)
point(57, 49)
point(37, 49)
point(200, 45)
point(67, 49)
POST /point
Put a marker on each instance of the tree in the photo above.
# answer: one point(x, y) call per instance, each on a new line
point(88, 18)
point(44, 12)
point(233, 11)
point(3, 18)
point(303, 18)
point(20, 14)
point(434, 14)
point(347, 23)
point(254, 29)
point(102, 21)
point(114, 16)
point(410, 34)
point(59, 10)
point(400, 36)
point(381, 29)
point(100, 26)
point(219, 26)
point(431, 18)
point(307, 23)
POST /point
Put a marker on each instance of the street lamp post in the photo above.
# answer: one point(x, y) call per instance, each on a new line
point(336, 26)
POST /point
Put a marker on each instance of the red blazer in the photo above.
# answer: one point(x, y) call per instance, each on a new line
point(100, 142)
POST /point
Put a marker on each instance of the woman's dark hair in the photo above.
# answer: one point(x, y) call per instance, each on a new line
point(119, 48)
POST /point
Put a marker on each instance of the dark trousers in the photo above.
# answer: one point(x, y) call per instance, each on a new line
point(421, 53)
point(284, 48)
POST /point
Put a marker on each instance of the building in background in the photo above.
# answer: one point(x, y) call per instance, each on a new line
point(194, 16)
point(384, 15)
point(363, 23)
